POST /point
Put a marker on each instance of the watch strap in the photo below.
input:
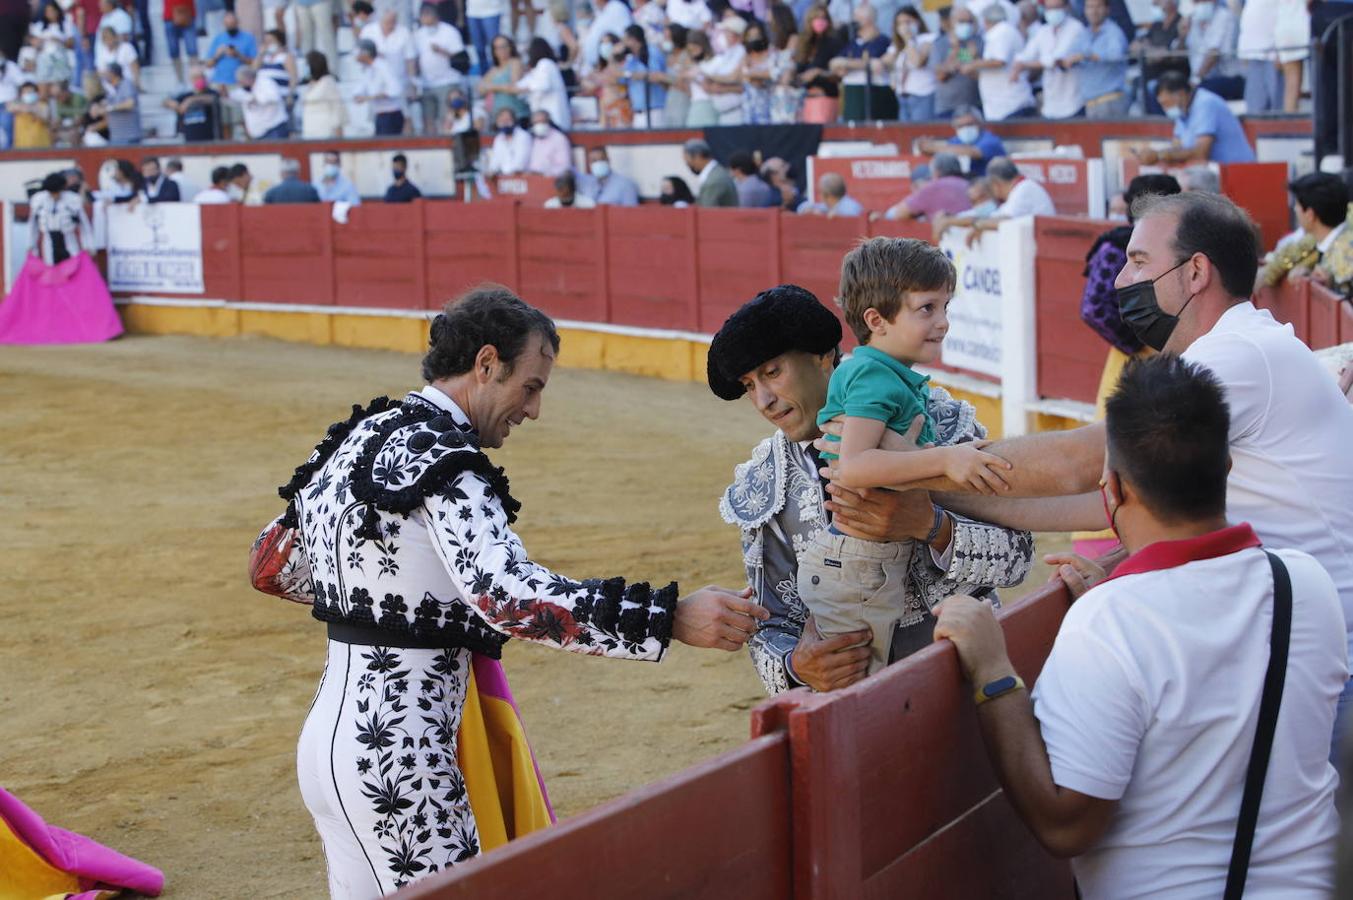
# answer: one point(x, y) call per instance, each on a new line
point(998, 688)
point(935, 526)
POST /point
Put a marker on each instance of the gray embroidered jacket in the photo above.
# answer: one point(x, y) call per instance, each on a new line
point(776, 500)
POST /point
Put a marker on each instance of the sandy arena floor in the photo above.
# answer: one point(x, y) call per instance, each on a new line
point(152, 700)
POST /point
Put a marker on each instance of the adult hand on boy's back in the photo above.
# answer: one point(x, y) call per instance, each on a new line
point(832, 662)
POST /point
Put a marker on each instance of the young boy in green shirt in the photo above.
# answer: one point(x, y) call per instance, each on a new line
point(895, 293)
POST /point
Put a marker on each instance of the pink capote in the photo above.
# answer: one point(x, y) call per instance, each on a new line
point(76, 854)
point(67, 303)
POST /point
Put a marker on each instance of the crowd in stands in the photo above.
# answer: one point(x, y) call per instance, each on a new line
point(72, 72)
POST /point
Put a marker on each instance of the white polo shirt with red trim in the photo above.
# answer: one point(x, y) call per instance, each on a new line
point(1291, 440)
point(1151, 697)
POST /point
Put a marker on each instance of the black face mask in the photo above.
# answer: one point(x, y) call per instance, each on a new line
point(667, 199)
point(1139, 309)
point(757, 45)
point(232, 31)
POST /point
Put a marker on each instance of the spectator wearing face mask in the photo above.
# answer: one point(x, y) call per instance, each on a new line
point(606, 186)
point(1004, 95)
point(265, 111)
point(753, 193)
point(971, 141)
point(913, 62)
point(644, 68)
point(241, 182)
point(1054, 51)
point(458, 118)
point(1211, 42)
point(818, 44)
point(510, 153)
point(230, 50)
point(323, 111)
point(382, 89)
point(1103, 64)
point(551, 152)
point(333, 186)
point(401, 190)
point(693, 15)
point(866, 50)
point(612, 20)
point(198, 109)
point(566, 194)
point(716, 95)
point(1205, 129)
point(442, 60)
point(32, 119)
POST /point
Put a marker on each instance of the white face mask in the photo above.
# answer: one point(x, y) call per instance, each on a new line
point(963, 30)
point(668, 46)
point(1055, 17)
point(540, 130)
point(1155, 15)
point(1202, 12)
point(1174, 112)
point(600, 168)
point(968, 134)
point(606, 48)
point(28, 97)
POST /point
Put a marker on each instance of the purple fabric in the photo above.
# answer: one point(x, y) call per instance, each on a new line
point(947, 195)
point(1099, 303)
point(67, 303)
point(76, 854)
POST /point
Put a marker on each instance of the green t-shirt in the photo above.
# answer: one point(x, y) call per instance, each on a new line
point(873, 385)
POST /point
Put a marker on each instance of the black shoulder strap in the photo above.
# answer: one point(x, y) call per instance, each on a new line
point(1263, 735)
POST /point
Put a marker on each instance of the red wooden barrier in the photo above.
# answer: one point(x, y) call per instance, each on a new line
point(1261, 188)
point(811, 248)
point(719, 829)
point(531, 190)
point(1070, 355)
point(1067, 182)
point(738, 256)
point(469, 246)
point(563, 261)
point(222, 264)
point(1289, 302)
point(379, 257)
point(1345, 322)
point(652, 267)
point(877, 182)
point(287, 254)
point(893, 794)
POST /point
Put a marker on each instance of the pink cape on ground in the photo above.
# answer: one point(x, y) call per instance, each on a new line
point(94, 864)
point(67, 303)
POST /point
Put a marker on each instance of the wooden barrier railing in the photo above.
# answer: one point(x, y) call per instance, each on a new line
point(1318, 315)
point(880, 790)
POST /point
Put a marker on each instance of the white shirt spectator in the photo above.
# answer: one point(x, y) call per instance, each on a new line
point(720, 65)
point(915, 81)
point(53, 35)
point(383, 90)
point(1002, 97)
point(212, 195)
point(11, 79)
point(977, 7)
point(1027, 198)
point(435, 68)
point(510, 153)
point(690, 14)
point(264, 107)
point(1061, 87)
point(1290, 434)
point(124, 54)
point(187, 190)
point(1151, 697)
point(1258, 25)
point(545, 89)
point(394, 49)
point(1217, 33)
point(119, 20)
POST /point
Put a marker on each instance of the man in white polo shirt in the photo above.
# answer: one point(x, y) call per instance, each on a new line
point(1133, 756)
point(1192, 262)
point(1018, 194)
point(1005, 94)
point(1047, 51)
point(265, 110)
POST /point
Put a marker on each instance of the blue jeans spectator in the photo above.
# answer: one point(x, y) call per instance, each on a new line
point(279, 132)
point(173, 34)
point(6, 129)
point(916, 108)
point(482, 33)
point(143, 13)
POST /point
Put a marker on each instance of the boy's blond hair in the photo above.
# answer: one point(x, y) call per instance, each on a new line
point(879, 272)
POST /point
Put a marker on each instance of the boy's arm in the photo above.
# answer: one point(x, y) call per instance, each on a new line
point(863, 465)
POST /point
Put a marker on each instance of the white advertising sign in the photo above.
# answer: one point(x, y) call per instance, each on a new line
point(155, 248)
point(974, 340)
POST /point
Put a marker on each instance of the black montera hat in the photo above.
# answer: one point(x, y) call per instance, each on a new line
point(784, 318)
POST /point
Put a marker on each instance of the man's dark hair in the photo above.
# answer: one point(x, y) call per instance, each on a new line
point(156, 160)
point(1172, 82)
point(1168, 435)
point(1211, 225)
point(1323, 194)
point(237, 170)
point(488, 314)
point(400, 158)
point(1148, 185)
point(220, 175)
point(566, 180)
point(741, 161)
point(361, 6)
